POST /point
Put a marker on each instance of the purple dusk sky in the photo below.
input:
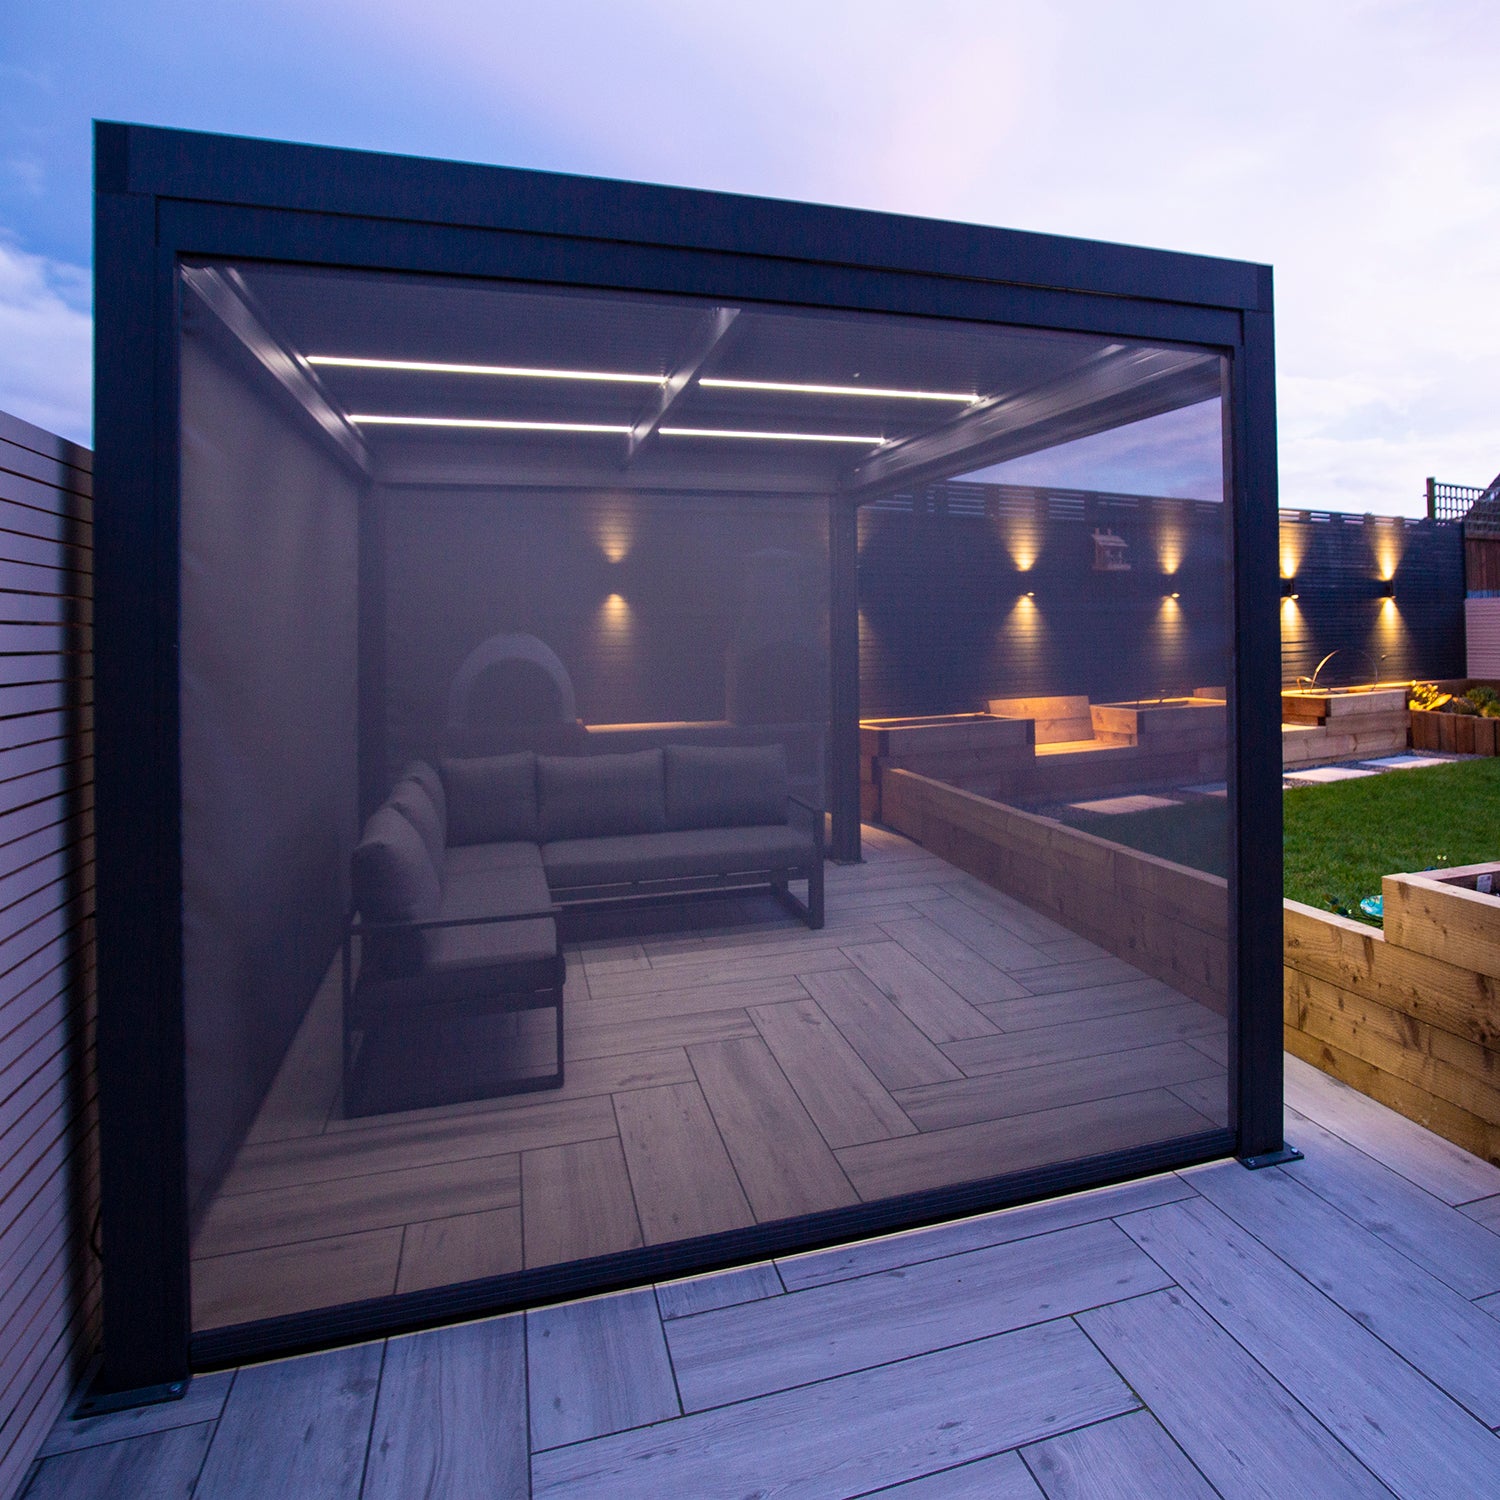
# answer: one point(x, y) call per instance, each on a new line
point(1352, 144)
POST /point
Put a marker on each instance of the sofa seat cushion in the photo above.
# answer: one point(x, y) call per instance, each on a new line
point(475, 966)
point(678, 855)
point(480, 859)
point(491, 945)
point(494, 892)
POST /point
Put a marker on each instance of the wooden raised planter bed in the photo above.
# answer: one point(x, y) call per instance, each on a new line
point(1341, 724)
point(964, 749)
point(1165, 919)
point(1411, 1015)
point(1198, 723)
point(1456, 734)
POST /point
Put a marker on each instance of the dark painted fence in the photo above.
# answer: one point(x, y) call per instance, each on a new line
point(49, 1279)
point(1384, 592)
point(969, 592)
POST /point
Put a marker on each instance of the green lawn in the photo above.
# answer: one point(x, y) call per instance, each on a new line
point(1342, 837)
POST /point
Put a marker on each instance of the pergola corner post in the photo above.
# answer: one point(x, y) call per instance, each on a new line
point(843, 640)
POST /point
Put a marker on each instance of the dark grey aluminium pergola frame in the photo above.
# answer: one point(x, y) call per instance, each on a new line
point(163, 196)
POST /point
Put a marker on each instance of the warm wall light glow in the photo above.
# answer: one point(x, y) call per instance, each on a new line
point(1021, 537)
point(615, 536)
point(1170, 549)
point(615, 613)
point(770, 437)
point(519, 372)
point(883, 392)
point(488, 424)
point(1025, 617)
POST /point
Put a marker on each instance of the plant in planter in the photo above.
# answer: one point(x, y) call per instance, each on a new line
point(1455, 722)
point(1486, 700)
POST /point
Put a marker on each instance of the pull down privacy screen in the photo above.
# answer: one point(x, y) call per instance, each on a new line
point(511, 940)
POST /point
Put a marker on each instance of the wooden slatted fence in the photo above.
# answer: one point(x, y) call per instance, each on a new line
point(49, 1276)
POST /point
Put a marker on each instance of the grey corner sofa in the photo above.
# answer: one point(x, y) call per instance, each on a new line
point(462, 873)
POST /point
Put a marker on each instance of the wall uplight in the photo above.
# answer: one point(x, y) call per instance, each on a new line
point(1388, 589)
point(1288, 588)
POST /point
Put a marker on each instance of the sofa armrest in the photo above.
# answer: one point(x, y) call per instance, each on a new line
point(806, 813)
point(354, 928)
point(357, 928)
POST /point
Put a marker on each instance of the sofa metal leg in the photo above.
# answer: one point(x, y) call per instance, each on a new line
point(809, 911)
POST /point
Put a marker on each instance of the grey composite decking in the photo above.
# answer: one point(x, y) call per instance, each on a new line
point(726, 1067)
point(1328, 1329)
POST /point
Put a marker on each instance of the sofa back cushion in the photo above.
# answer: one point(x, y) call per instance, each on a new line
point(590, 796)
point(491, 799)
point(394, 881)
point(432, 784)
point(392, 873)
point(725, 786)
point(409, 797)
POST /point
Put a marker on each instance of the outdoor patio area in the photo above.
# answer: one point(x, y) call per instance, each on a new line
point(732, 1069)
point(1331, 1328)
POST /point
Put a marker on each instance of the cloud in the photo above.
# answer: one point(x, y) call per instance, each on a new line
point(1179, 454)
point(1324, 140)
point(1328, 140)
point(46, 343)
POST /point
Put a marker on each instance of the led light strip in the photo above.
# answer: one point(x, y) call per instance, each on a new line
point(883, 392)
point(625, 377)
point(367, 419)
point(771, 437)
point(523, 372)
point(497, 424)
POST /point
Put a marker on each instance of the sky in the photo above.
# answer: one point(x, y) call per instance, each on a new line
point(1351, 144)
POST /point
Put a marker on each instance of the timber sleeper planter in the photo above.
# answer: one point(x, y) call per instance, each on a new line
point(1409, 1016)
point(1454, 734)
